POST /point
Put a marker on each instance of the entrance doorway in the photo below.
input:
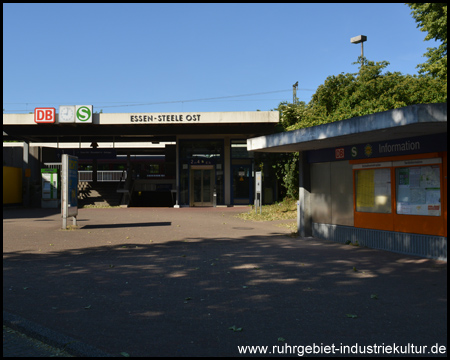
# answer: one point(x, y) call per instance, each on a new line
point(242, 184)
point(202, 185)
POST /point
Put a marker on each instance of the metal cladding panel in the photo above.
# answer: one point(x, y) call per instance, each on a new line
point(428, 246)
point(321, 193)
point(332, 193)
point(341, 184)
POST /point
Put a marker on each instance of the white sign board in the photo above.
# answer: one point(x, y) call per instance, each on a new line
point(44, 115)
point(258, 191)
point(258, 181)
point(83, 114)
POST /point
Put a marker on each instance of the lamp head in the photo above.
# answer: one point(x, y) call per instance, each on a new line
point(358, 39)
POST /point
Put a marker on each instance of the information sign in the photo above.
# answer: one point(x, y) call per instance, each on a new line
point(419, 190)
point(258, 190)
point(69, 189)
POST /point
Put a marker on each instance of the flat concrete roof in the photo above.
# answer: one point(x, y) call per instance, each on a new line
point(409, 121)
point(141, 126)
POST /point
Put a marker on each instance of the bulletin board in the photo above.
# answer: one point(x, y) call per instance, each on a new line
point(416, 199)
point(419, 190)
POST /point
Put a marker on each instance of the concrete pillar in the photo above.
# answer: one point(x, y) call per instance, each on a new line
point(94, 145)
point(227, 170)
point(25, 174)
point(304, 219)
point(177, 173)
point(129, 166)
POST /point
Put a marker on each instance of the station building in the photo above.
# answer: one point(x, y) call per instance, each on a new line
point(378, 180)
point(200, 159)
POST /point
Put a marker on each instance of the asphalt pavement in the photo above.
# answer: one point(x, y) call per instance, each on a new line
point(203, 282)
point(16, 344)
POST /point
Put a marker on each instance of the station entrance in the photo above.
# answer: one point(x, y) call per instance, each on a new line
point(170, 159)
point(243, 180)
point(202, 185)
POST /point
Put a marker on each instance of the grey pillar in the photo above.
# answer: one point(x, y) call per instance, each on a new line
point(25, 178)
point(304, 222)
point(94, 171)
point(129, 166)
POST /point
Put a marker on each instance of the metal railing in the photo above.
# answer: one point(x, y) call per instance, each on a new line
point(53, 165)
point(103, 175)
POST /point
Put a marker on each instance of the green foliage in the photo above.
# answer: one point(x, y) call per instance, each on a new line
point(369, 91)
point(432, 18)
point(286, 170)
point(345, 96)
point(290, 114)
point(372, 89)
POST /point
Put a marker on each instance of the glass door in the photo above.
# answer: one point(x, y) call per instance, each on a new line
point(202, 186)
point(242, 184)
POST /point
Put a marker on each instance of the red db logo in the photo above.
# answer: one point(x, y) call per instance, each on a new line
point(339, 153)
point(44, 115)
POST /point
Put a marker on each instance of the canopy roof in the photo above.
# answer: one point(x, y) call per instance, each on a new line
point(410, 121)
point(130, 127)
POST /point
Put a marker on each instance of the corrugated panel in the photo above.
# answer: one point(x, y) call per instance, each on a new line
point(434, 247)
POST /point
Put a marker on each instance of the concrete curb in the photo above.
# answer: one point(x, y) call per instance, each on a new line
point(50, 337)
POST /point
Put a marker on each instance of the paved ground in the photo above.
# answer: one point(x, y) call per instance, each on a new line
point(201, 282)
point(16, 344)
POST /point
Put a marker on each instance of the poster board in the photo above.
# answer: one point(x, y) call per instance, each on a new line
point(419, 190)
point(373, 190)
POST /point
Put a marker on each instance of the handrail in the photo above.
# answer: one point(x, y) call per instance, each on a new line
point(102, 175)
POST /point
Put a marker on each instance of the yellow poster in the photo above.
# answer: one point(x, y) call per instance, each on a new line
point(365, 189)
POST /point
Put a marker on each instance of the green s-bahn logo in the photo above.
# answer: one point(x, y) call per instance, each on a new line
point(84, 113)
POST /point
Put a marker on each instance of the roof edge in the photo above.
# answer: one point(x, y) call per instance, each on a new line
point(409, 115)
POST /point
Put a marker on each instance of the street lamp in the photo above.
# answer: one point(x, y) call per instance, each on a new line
point(359, 39)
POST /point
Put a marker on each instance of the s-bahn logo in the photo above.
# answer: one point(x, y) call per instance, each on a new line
point(83, 114)
point(75, 114)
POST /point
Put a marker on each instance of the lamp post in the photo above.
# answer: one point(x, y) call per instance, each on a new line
point(359, 39)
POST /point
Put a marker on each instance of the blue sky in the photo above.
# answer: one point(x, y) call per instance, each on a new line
point(193, 57)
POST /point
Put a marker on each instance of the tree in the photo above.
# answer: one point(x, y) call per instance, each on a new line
point(290, 114)
point(432, 18)
point(344, 96)
point(369, 91)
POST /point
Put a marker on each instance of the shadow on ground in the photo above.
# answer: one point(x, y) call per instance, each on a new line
point(180, 298)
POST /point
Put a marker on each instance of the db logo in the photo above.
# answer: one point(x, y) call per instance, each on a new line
point(44, 115)
point(339, 153)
